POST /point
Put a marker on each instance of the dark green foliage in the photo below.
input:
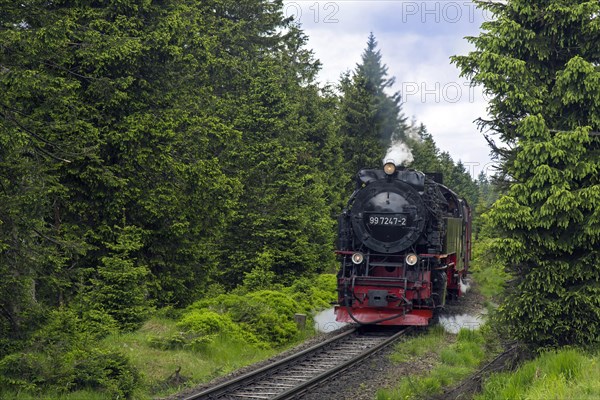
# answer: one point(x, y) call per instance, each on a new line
point(105, 371)
point(24, 371)
point(152, 153)
point(27, 259)
point(65, 329)
point(151, 150)
point(63, 356)
point(552, 230)
point(282, 224)
point(106, 113)
point(370, 119)
point(429, 158)
point(539, 61)
point(110, 372)
point(119, 289)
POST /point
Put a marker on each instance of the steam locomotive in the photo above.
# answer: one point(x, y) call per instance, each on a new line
point(404, 242)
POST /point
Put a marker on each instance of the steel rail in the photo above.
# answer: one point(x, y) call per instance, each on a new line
point(258, 373)
point(298, 390)
point(295, 386)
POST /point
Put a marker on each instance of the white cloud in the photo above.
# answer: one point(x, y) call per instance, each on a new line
point(416, 40)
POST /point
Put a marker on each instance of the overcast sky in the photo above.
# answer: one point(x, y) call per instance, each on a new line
point(416, 39)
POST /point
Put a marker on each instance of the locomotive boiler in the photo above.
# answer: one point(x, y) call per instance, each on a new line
point(404, 246)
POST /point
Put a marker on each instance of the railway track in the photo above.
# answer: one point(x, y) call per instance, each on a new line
point(291, 377)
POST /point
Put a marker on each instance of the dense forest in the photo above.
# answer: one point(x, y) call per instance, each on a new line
point(152, 150)
point(155, 155)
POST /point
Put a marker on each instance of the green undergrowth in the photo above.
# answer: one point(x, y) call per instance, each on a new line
point(430, 343)
point(488, 274)
point(161, 348)
point(559, 375)
point(156, 365)
point(263, 319)
point(441, 360)
point(81, 357)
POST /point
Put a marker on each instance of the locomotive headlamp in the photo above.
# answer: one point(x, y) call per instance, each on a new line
point(358, 258)
point(389, 168)
point(411, 259)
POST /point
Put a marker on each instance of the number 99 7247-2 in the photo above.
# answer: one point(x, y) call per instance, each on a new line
point(396, 221)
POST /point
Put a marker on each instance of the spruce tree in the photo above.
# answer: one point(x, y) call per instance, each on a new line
point(119, 288)
point(538, 60)
point(108, 119)
point(426, 154)
point(428, 158)
point(282, 225)
point(25, 254)
point(370, 117)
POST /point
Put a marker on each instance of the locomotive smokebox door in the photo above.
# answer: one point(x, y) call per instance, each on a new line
point(378, 298)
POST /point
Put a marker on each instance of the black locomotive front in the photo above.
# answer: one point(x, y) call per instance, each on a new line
point(392, 243)
point(392, 211)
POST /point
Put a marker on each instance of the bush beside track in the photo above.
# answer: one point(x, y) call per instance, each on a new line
point(84, 357)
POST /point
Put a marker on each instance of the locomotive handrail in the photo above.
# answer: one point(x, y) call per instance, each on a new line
point(384, 278)
point(386, 264)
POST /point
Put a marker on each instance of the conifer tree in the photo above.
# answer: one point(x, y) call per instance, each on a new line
point(428, 158)
point(282, 225)
point(119, 288)
point(539, 62)
point(426, 154)
point(370, 118)
point(112, 116)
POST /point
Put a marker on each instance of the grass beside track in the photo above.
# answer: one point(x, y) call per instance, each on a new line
point(223, 355)
point(564, 374)
point(453, 358)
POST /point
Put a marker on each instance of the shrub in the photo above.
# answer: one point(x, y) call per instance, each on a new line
point(94, 368)
point(67, 328)
point(103, 370)
point(173, 342)
point(264, 316)
point(23, 371)
point(270, 315)
point(206, 323)
point(63, 357)
point(313, 294)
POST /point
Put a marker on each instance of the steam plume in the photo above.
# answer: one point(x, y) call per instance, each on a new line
point(399, 153)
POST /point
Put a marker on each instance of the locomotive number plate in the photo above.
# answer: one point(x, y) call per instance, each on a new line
point(387, 221)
